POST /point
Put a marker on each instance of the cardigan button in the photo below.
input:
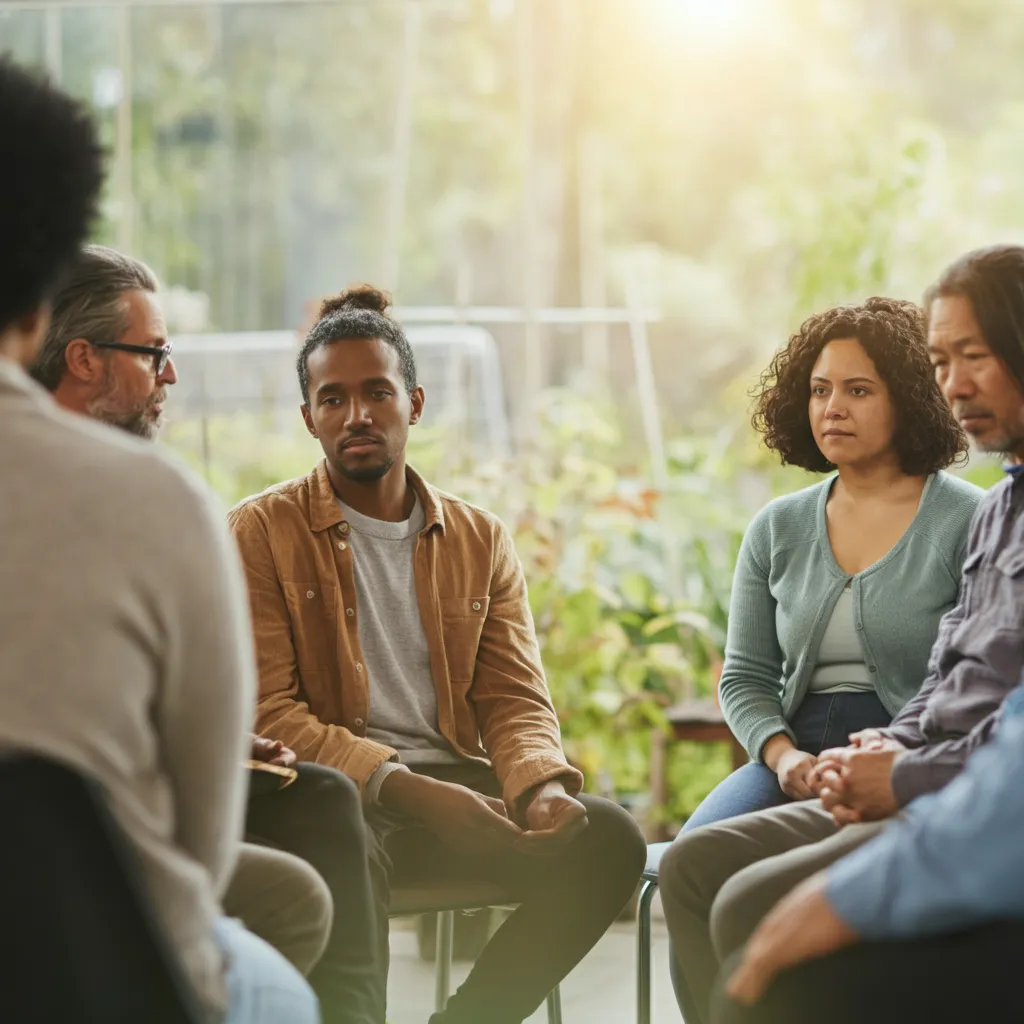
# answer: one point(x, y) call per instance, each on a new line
point(871, 668)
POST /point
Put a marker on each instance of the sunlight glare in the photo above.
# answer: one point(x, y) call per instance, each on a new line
point(709, 19)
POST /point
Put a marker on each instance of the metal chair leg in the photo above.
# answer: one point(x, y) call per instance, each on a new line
point(643, 953)
point(443, 958)
point(554, 1004)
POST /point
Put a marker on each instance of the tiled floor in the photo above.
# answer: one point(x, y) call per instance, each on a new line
point(602, 989)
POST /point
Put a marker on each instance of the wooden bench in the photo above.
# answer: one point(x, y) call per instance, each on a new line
point(700, 720)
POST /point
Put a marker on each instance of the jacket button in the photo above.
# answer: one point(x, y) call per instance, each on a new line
point(309, 593)
point(871, 668)
point(359, 667)
point(343, 528)
point(342, 545)
point(350, 612)
point(359, 723)
point(476, 606)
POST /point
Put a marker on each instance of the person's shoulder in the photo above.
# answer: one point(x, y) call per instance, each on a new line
point(93, 457)
point(273, 501)
point(467, 519)
point(953, 505)
point(129, 497)
point(956, 491)
point(793, 513)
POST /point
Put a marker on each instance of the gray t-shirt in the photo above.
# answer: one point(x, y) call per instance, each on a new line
point(403, 701)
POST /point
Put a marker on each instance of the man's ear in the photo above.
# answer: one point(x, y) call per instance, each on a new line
point(83, 361)
point(417, 397)
point(307, 418)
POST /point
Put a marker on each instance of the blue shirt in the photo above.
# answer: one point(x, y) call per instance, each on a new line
point(954, 859)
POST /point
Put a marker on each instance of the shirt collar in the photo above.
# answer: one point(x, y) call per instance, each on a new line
point(324, 511)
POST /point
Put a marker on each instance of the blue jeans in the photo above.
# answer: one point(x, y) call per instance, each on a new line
point(823, 720)
point(262, 986)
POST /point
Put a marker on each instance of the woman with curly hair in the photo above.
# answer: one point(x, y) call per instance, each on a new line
point(839, 588)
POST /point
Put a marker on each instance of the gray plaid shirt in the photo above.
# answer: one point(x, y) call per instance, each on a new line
point(978, 655)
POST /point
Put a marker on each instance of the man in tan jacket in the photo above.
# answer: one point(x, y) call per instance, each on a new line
point(395, 642)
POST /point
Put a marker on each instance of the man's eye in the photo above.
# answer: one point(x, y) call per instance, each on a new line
point(381, 395)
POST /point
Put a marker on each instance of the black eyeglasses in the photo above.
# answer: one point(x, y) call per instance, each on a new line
point(160, 355)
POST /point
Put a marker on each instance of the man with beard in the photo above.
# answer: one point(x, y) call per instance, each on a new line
point(106, 356)
point(395, 643)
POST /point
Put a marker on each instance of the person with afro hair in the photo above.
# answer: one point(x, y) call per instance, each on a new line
point(127, 651)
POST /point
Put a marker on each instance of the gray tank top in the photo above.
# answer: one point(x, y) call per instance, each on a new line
point(840, 667)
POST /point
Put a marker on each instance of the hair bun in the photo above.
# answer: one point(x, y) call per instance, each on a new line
point(359, 296)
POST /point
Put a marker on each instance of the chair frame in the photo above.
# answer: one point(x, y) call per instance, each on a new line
point(648, 889)
point(443, 969)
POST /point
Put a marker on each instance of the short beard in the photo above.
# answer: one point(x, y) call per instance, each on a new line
point(369, 474)
point(1007, 444)
point(104, 407)
point(141, 424)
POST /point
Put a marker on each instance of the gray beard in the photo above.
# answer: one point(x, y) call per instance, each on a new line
point(138, 421)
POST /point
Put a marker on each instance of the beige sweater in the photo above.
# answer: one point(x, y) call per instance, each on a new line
point(127, 648)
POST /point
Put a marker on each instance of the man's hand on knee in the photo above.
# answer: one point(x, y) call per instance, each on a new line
point(464, 820)
point(552, 817)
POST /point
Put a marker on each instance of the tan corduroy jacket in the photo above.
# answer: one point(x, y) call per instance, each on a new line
point(492, 698)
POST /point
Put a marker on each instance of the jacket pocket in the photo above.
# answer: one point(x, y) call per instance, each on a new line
point(462, 623)
point(311, 609)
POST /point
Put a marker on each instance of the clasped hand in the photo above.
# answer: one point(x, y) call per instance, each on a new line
point(854, 783)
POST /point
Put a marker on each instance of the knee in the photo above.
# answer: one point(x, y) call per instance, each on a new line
point(284, 901)
point(314, 906)
point(684, 874)
point(737, 910)
point(336, 796)
point(616, 837)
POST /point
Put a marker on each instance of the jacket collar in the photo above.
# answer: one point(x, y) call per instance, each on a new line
point(325, 512)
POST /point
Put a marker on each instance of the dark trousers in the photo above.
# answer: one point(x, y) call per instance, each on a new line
point(565, 901)
point(950, 979)
point(319, 818)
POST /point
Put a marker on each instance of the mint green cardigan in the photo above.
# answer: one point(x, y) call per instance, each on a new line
point(787, 582)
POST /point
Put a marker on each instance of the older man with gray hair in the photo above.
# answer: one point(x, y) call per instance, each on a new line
point(106, 354)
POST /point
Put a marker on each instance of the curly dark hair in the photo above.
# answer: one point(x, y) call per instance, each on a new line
point(358, 312)
point(927, 437)
point(49, 187)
